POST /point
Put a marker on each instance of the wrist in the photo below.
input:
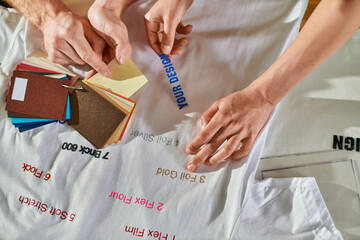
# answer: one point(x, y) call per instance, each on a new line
point(52, 11)
point(119, 6)
point(266, 89)
point(279, 79)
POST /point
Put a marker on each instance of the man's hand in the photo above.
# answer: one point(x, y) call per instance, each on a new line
point(163, 21)
point(237, 118)
point(69, 39)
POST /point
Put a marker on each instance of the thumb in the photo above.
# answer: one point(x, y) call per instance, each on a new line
point(121, 42)
point(123, 49)
point(168, 37)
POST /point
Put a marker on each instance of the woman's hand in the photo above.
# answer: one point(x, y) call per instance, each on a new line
point(237, 118)
point(105, 18)
point(162, 21)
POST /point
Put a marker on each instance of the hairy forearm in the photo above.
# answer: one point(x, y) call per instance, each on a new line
point(38, 11)
point(332, 23)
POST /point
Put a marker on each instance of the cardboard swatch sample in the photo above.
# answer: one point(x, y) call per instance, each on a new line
point(37, 95)
point(125, 105)
point(30, 68)
point(93, 116)
point(125, 80)
point(29, 127)
point(39, 58)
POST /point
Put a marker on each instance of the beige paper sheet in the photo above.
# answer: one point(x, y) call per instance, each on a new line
point(126, 79)
point(39, 58)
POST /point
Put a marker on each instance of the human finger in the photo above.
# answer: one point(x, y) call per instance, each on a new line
point(67, 50)
point(231, 145)
point(246, 145)
point(119, 36)
point(58, 57)
point(209, 113)
point(83, 48)
point(180, 42)
point(152, 29)
point(123, 49)
point(96, 43)
point(181, 29)
point(207, 133)
point(203, 155)
point(168, 37)
point(91, 73)
point(108, 54)
point(176, 51)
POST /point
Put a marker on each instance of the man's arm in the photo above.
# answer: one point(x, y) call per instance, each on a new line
point(68, 38)
point(239, 117)
point(38, 10)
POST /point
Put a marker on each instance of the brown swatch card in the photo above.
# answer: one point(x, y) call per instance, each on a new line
point(37, 96)
point(93, 117)
point(15, 114)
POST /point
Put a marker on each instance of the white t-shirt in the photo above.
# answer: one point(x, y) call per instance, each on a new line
point(139, 188)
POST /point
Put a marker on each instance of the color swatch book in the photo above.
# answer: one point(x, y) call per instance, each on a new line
point(36, 97)
point(42, 92)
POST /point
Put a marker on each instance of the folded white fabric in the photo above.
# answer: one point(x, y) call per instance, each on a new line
point(54, 185)
point(269, 212)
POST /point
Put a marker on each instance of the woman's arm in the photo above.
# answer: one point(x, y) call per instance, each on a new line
point(332, 23)
point(239, 117)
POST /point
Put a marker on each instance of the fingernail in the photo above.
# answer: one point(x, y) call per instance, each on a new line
point(166, 49)
point(191, 167)
point(122, 59)
point(107, 74)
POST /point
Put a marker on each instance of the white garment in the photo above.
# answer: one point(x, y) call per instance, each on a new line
point(323, 105)
point(326, 103)
point(287, 208)
point(233, 42)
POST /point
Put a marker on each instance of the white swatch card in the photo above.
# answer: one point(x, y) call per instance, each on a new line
point(19, 89)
